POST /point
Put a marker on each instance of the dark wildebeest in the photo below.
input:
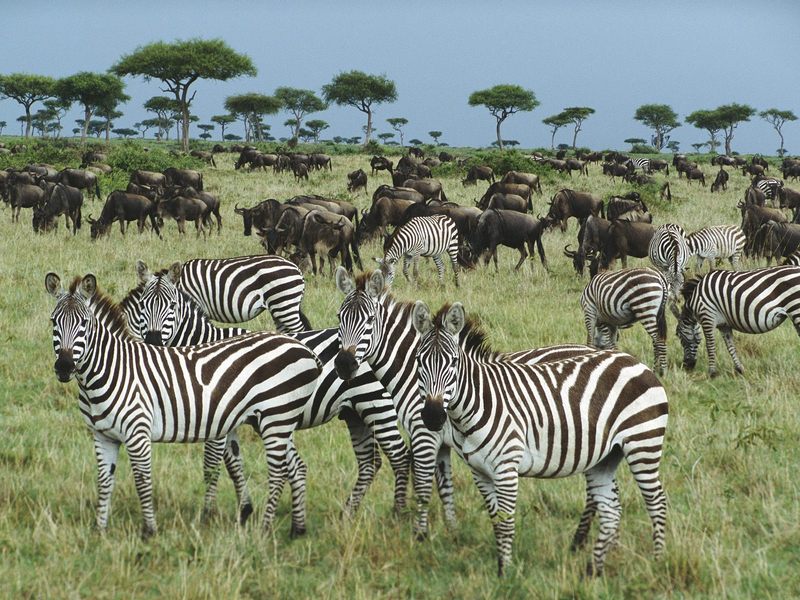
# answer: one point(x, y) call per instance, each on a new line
point(754, 170)
point(203, 155)
point(183, 178)
point(619, 205)
point(507, 228)
point(568, 203)
point(614, 169)
point(380, 163)
point(626, 239)
point(300, 171)
point(477, 172)
point(429, 188)
point(573, 164)
point(153, 193)
point(753, 217)
point(657, 164)
point(464, 217)
point(753, 195)
point(261, 216)
point(185, 208)
point(320, 161)
point(499, 187)
point(507, 202)
point(81, 179)
point(124, 207)
point(286, 230)
point(59, 200)
point(148, 178)
point(529, 179)
point(720, 181)
point(777, 240)
point(695, 174)
point(789, 198)
point(337, 207)
point(357, 180)
point(400, 193)
point(210, 200)
point(760, 161)
point(445, 156)
point(432, 162)
point(328, 235)
point(592, 237)
point(723, 161)
point(24, 195)
point(384, 211)
point(416, 152)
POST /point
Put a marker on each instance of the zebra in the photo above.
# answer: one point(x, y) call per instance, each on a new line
point(375, 328)
point(422, 236)
point(234, 290)
point(717, 242)
point(617, 299)
point(161, 313)
point(768, 185)
point(668, 252)
point(793, 259)
point(638, 163)
point(583, 414)
point(135, 394)
point(747, 301)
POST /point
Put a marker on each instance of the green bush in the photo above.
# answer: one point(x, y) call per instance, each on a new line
point(130, 156)
point(643, 149)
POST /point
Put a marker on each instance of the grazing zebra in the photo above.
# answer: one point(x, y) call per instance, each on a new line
point(233, 290)
point(578, 415)
point(617, 299)
point(375, 328)
point(768, 185)
point(422, 236)
point(668, 253)
point(135, 394)
point(162, 314)
point(715, 243)
point(747, 301)
point(638, 163)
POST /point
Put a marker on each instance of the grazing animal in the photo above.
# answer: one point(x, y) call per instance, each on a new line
point(380, 163)
point(185, 208)
point(720, 181)
point(635, 164)
point(625, 239)
point(508, 228)
point(592, 238)
point(777, 240)
point(183, 178)
point(210, 200)
point(124, 207)
point(217, 387)
point(478, 172)
point(769, 186)
point(669, 254)
point(357, 180)
point(385, 211)
point(429, 188)
point(747, 301)
point(81, 179)
point(422, 236)
point(715, 243)
point(328, 234)
point(753, 217)
point(151, 179)
point(508, 202)
point(568, 203)
point(546, 420)
point(60, 199)
point(402, 193)
point(24, 195)
point(614, 170)
point(618, 299)
point(320, 161)
point(300, 171)
point(619, 205)
point(522, 190)
point(529, 179)
point(695, 174)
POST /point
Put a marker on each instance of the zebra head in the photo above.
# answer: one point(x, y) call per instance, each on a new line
point(158, 305)
point(387, 266)
point(360, 322)
point(688, 331)
point(437, 359)
point(605, 336)
point(72, 320)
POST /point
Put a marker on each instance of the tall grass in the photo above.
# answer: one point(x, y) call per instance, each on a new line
point(729, 466)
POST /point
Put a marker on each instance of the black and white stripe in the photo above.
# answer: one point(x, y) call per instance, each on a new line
point(669, 253)
point(135, 394)
point(769, 186)
point(618, 299)
point(423, 236)
point(715, 243)
point(578, 415)
point(634, 164)
point(750, 301)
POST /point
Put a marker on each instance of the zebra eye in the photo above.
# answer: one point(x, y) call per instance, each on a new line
point(370, 318)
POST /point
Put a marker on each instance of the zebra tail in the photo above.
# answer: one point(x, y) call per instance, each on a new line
point(661, 318)
point(304, 320)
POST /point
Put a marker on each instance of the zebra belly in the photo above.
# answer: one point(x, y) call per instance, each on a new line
point(765, 322)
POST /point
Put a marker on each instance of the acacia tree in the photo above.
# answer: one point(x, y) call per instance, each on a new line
point(661, 119)
point(300, 103)
point(555, 122)
point(251, 108)
point(179, 64)
point(361, 91)
point(385, 137)
point(317, 126)
point(27, 89)
point(503, 101)
point(635, 142)
point(397, 124)
point(708, 120)
point(577, 115)
point(777, 118)
point(91, 91)
point(435, 135)
point(730, 115)
point(206, 128)
point(3, 125)
point(223, 121)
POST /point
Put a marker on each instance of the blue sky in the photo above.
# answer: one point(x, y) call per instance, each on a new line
point(611, 56)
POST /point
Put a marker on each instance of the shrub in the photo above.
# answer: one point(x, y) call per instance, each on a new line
point(643, 149)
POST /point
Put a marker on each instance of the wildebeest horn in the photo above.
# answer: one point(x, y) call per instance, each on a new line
point(569, 253)
point(363, 212)
point(237, 210)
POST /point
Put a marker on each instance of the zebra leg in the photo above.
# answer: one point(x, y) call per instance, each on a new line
point(500, 497)
point(296, 473)
point(235, 467)
point(590, 321)
point(444, 484)
point(405, 267)
point(425, 446)
point(454, 263)
point(106, 451)
point(276, 447)
point(139, 453)
point(727, 335)
point(367, 457)
point(651, 325)
point(213, 451)
point(711, 346)
point(437, 259)
point(645, 472)
point(602, 486)
point(582, 533)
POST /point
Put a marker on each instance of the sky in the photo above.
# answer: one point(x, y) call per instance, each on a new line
point(613, 56)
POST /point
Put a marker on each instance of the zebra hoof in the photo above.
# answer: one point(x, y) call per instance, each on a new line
point(148, 531)
point(297, 531)
point(421, 535)
point(245, 512)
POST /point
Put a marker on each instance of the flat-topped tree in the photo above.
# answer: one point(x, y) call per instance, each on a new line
point(91, 91)
point(777, 118)
point(179, 64)
point(576, 115)
point(397, 124)
point(252, 108)
point(503, 101)
point(660, 118)
point(555, 122)
point(27, 89)
point(300, 103)
point(361, 91)
point(223, 121)
point(730, 115)
point(317, 126)
point(435, 135)
point(708, 120)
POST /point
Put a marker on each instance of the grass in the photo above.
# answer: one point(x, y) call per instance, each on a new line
point(728, 469)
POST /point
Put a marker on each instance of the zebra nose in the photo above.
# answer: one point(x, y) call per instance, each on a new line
point(153, 338)
point(346, 363)
point(433, 413)
point(64, 366)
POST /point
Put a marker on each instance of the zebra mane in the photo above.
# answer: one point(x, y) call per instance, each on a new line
point(689, 287)
point(107, 312)
point(473, 339)
point(136, 293)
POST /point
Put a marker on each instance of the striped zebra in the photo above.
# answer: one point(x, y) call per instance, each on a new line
point(161, 313)
point(747, 301)
point(618, 299)
point(634, 164)
point(234, 290)
point(375, 328)
point(715, 243)
point(669, 253)
point(422, 236)
point(135, 394)
point(578, 415)
point(769, 186)
point(793, 259)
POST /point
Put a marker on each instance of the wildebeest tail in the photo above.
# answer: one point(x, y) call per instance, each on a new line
point(200, 183)
point(97, 188)
point(77, 218)
point(530, 202)
point(444, 198)
point(356, 253)
point(602, 209)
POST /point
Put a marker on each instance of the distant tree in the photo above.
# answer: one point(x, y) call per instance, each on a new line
point(435, 135)
point(3, 125)
point(776, 118)
point(58, 108)
point(141, 127)
point(361, 91)
point(300, 103)
point(385, 137)
point(96, 127)
point(562, 147)
point(555, 122)
point(76, 130)
point(317, 126)
point(354, 140)
point(699, 146)
point(730, 115)
point(124, 132)
point(27, 90)
point(503, 101)
point(337, 139)
point(161, 126)
point(108, 114)
point(205, 136)
point(397, 124)
point(635, 142)
point(232, 137)
point(205, 128)
point(251, 108)
point(179, 64)
point(23, 121)
point(305, 135)
point(91, 91)
point(708, 120)
point(511, 143)
point(660, 118)
point(166, 110)
point(673, 146)
point(415, 142)
point(576, 115)
point(223, 121)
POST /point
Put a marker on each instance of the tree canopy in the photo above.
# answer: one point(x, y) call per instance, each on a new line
point(179, 64)
point(251, 108)
point(360, 90)
point(93, 91)
point(660, 118)
point(777, 118)
point(300, 103)
point(555, 122)
point(27, 89)
point(502, 101)
point(577, 115)
point(730, 115)
point(397, 124)
point(708, 120)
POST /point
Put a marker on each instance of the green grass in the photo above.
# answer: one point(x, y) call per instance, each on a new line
point(728, 469)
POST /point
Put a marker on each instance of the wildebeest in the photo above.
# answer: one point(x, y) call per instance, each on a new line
point(477, 172)
point(657, 164)
point(720, 181)
point(338, 207)
point(261, 216)
point(429, 188)
point(696, 174)
point(464, 217)
point(529, 179)
point(152, 179)
point(614, 169)
point(573, 164)
point(320, 161)
point(403, 193)
point(356, 180)
point(210, 200)
point(625, 239)
point(328, 235)
point(445, 156)
point(81, 179)
point(754, 170)
point(124, 207)
point(777, 240)
point(380, 163)
point(568, 203)
point(789, 198)
point(791, 169)
point(508, 202)
point(153, 193)
point(507, 228)
point(286, 230)
point(753, 217)
point(619, 205)
point(24, 195)
point(203, 155)
point(300, 171)
point(592, 237)
point(183, 178)
point(59, 200)
point(384, 211)
point(184, 208)
point(722, 160)
point(519, 189)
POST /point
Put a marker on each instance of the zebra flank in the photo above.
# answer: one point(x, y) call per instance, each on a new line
point(583, 414)
point(134, 394)
point(747, 301)
point(423, 236)
point(617, 299)
point(668, 253)
point(716, 243)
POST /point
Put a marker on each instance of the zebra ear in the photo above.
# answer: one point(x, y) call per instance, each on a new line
point(88, 286)
point(52, 283)
point(174, 272)
point(343, 281)
point(376, 284)
point(454, 319)
point(142, 271)
point(421, 318)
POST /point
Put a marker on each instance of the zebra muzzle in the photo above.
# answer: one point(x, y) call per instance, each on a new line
point(433, 413)
point(153, 338)
point(345, 363)
point(64, 366)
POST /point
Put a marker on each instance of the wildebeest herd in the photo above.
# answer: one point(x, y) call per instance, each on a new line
point(391, 365)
